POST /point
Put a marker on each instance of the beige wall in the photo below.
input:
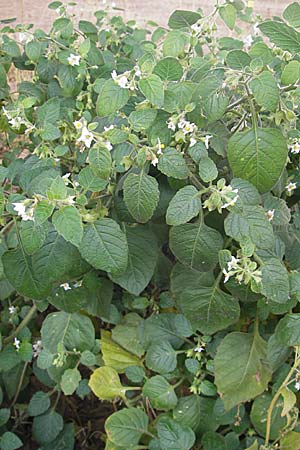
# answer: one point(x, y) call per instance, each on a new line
point(36, 11)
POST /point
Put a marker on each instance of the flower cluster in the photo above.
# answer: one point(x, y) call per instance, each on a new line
point(126, 80)
point(16, 121)
point(243, 269)
point(25, 209)
point(221, 197)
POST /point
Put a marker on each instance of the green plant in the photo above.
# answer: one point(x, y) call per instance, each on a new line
point(150, 242)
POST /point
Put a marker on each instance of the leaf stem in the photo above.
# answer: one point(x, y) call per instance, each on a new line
point(22, 325)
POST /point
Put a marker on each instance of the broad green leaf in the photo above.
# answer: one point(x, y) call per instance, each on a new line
point(90, 181)
point(42, 211)
point(252, 222)
point(105, 383)
point(20, 272)
point(174, 43)
point(142, 119)
point(291, 73)
point(275, 281)
point(141, 195)
point(174, 436)
point(207, 169)
point(161, 358)
point(228, 14)
point(67, 222)
point(262, 51)
point(153, 89)
point(288, 330)
point(208, 308)
point(126, 427)
point(188, 411)
point(49, 112)
point(265, 91)
point(111, 98)
point(39, 403)
point(292, 14)
point(185, 205)
point(282, 35)
point(196, 245)
point(183, 19)
point(215, 106)
point(115, 356)
point(290, 441)
point(238, 60)
point(160, 393)
point(259, 413)
point(142, 257)
point(172, 164)
point(213, 441)
point(70, 381)
point(57, 190)
point(241, 368)
point(127, 334)
point(32, 235)
point(104, 246)
point(169, 69)
point(46, 428)
point(289, 401)
point(162, 327)
point(70, 330)
point(10, 441)
point(33, 50)
point(100, 162)
point(258, 155)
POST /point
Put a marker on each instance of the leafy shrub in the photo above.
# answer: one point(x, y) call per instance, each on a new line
point(150, 243)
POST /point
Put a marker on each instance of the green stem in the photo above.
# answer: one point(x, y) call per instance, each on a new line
point(258, 259)
point(19, 385)
point(4, 229)
point(22, 325)
point(196, 182)
point(252, 108)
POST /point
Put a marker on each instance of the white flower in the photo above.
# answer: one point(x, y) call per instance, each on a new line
point(78, 284)
point(154, 161)
point(233, 263)
point(199, 349)
point(66, 178)
point(196, 27)
point(171, 125)
point(25, 37)
point(248, 41)
point(108, 145)
point(74, 60)
point(160, 147)
point(78, 124)
point(121, 80)
point(16, 122)
point(37, 348)
point(270, 214)
point(86, 137)
point(295, 147)
point(186, 126)
point(111, 127)
point(231, 202)
point(291, 187)
point(66, 286)
point(227, 276)
point(70, 200)
point(137, 72)
point(20, 208)
point(12, 309)
point(29, 129)
point(17, 343)
point(297, 385)
point(206, 141)
point(193, 141)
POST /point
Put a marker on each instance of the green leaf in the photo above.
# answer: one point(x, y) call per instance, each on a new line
point(142, 257)
point(32, 235)
point(42, 211)
point(259, 412)
point(183, 19)
point(237, 59)
point(141, 195)
point(111, 98)
point(258, 155)
point(67, 222)
point(208, 308)
point(215, 106)
point(70, 330)
point(168, 69)
point(104, 246)
point(213, 441)
point(207, 169)
point(290, 441)
point(39, 403)
point(57, 190)
point(288, 330)
point(188, 411)
point(47, 427)
point(33, 50)
point(4, 416)
point(126, 427)
point(185, 205)
point(282, 35)
point(265, 91)
point(90, 181)
point(70, 381)
point(160, 393)
point(100, 162)
point(142, 119)
point(174, 436)
point(115, 356)
point(161, 358)
point(20, 272)
point(172, 164)
point(153, 89)
point(10, 441)
point(228, 14)
point(106, 385)
point(127, 334)
point(275, 281)
point(174, 43)
point(292, 14)
point(291, 73)
point(196, 245)
point(241, 368)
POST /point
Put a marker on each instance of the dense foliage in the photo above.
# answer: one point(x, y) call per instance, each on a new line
point(150, 241)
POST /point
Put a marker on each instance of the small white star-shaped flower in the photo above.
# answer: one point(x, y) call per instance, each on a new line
point(74, 60)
